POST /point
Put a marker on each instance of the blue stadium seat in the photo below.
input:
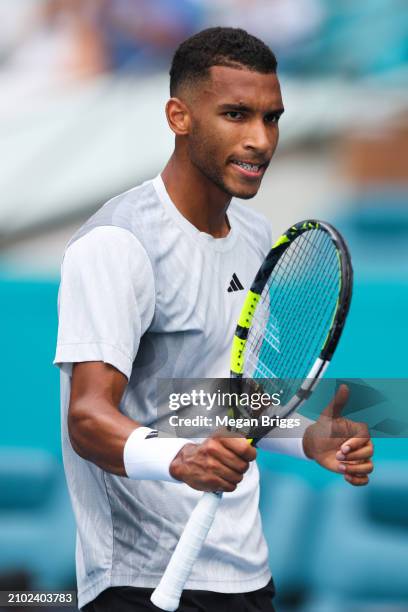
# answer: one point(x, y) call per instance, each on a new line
point(361, 552)
point(37, 529)
point(286, 504)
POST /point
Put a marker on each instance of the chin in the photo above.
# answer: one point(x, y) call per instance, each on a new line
point(237, 191)
point(243, 194)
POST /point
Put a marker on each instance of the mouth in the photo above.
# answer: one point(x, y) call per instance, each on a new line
point(249, 169)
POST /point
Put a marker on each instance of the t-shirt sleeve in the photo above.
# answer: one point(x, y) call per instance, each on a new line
point(106, 299)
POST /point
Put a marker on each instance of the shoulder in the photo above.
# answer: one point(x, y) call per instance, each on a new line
point(108, 242)
point(107, 256)
point(134, 211)
point(107, 266)
point(253, 225)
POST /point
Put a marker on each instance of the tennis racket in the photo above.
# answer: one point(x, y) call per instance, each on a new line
point(287, 332)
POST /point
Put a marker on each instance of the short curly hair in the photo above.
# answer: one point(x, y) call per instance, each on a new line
point(218, 46)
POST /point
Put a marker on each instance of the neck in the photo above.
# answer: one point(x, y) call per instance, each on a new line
point(198, 199)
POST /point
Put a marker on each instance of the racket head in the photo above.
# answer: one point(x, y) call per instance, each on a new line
point(294, 312)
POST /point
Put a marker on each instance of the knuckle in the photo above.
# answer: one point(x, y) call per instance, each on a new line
point(249, 454)
point(242, 445)
point(213, 484)
point(210, 446)
point(252, 453)
point(210, 464)
point(363, 428)
point(244, 468)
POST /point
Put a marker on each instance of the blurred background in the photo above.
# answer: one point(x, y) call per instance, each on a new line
point(84, 83)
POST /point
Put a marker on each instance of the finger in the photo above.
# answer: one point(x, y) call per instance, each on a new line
point(226, 457)
point(333, 410)
point(225, 474)
point(357, 469)
point(366, 452)
point(232, 461)
point(356, 443)
point(240, 447)
point(217, 484)
point(357, 481)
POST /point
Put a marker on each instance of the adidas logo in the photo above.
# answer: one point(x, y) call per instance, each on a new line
point(235, 284)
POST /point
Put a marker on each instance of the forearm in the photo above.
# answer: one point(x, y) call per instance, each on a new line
point(101, 438)
point(119, 445)
point(276, 442)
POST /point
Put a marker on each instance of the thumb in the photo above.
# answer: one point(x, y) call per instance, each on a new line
point(333, 410)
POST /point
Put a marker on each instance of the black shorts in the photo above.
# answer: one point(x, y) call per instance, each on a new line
point(132, 599)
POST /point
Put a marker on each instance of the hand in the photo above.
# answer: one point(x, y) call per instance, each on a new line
point(339, 444)
point(218, 464)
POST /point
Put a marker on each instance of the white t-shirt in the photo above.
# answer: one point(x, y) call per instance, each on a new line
point(144, 290)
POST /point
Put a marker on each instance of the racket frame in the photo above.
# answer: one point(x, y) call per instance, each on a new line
point(254, 295)
point(168, 592)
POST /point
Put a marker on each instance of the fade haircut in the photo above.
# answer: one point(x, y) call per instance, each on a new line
point(231, 47)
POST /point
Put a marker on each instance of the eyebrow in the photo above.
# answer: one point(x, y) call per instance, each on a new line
point(248, 109)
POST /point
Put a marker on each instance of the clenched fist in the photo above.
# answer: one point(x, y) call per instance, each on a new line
point(218, 464)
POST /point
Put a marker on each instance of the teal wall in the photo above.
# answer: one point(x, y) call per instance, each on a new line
point(30, 383)
point(374, 344)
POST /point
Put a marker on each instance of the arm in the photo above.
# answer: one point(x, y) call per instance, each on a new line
point(97, 429)
point(107, 300)
point(99, 433)
point(275, 442)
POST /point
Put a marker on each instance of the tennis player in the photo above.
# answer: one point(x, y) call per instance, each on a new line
point(152, 286)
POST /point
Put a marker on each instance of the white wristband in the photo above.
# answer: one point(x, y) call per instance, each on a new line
point(276, 443)
point(149, 458)
point(283, 446)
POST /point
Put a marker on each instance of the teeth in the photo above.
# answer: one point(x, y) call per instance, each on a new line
point(249, 167)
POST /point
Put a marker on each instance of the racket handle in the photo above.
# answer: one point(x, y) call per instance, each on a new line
point(168, 592)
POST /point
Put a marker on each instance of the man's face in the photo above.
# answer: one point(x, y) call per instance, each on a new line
point(234, 129)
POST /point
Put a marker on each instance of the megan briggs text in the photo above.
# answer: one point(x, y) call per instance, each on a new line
point(235, 423)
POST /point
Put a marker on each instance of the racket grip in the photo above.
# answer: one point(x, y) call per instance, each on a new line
point(168, 592)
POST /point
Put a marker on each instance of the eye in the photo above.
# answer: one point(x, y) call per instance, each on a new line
point(272, 118)
point(234, 115)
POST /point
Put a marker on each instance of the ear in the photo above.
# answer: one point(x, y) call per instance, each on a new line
point(178, 117)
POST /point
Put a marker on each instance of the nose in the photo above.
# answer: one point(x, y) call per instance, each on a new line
point(260, 138)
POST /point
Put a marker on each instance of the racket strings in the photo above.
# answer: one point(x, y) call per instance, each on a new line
point(283, 284)
point(296, 307)
point(310, 279)
point(271, 336)
point(306, 313)
point(317, 308)
point(263, 311)
point(296, 365)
